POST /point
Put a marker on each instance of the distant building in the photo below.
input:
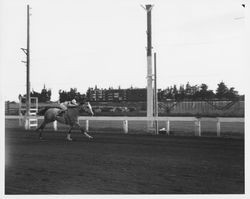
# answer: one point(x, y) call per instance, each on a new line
point(95, 94)
point(116, 95)
point(136, 94)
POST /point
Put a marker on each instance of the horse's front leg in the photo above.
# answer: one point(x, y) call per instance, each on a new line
point(69, 133)
point(82, 130)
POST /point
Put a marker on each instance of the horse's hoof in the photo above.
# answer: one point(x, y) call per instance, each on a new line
point(87, 135)
point(90, 137)
point(69, 139)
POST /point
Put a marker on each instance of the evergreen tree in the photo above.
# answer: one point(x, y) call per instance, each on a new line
point(188, 89)
point(181, 93)
point(203, 91)
point(232, 94)
point(221, 91)
point(175, 92)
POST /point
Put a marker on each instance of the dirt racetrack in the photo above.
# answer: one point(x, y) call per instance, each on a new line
point(114, 163)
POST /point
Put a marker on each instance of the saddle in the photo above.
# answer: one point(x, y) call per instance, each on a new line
point(61, 113)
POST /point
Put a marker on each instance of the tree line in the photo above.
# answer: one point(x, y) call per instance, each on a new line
point(199, 92)
point(187, 92)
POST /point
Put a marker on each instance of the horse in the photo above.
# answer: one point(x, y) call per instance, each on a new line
point(69, 117)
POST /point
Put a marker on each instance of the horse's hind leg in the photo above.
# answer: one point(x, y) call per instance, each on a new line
point(82, 130)
point(69, 133)
point(41, 127)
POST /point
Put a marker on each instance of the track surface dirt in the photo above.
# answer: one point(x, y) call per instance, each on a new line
point(114, 163)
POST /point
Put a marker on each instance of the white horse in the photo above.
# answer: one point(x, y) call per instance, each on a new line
point(69, 117)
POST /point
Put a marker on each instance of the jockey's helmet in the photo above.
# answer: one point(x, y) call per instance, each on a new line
point(74, 102)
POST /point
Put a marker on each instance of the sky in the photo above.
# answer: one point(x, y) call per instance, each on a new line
point(83, 43)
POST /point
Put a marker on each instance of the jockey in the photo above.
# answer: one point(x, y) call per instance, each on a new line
point(67, 104)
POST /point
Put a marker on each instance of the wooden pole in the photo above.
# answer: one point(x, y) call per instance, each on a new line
point(149, 68)
point(28, 63)
point(155, 95)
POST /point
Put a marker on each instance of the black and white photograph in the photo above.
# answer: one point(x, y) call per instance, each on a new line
point(121, 98)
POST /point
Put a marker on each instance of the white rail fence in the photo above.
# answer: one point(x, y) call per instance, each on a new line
point(167, 120)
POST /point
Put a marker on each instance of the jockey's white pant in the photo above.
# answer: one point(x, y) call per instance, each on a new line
point(63, 107)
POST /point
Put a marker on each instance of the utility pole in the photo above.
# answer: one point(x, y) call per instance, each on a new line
point(28, 63)
point(155, 95)
point(27, 52)
point(149, 68)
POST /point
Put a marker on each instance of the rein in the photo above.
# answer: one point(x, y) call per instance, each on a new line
point(78, 106)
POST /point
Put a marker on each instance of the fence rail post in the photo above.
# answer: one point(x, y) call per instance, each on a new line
point(20, 119)
point(125, 126)
point(197, 126)
point(26, 124)
point(218, 128)
point(87, 126)
point(55, 125)
point(168, 127)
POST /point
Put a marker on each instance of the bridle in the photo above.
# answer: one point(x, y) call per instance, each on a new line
point(87, 108)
